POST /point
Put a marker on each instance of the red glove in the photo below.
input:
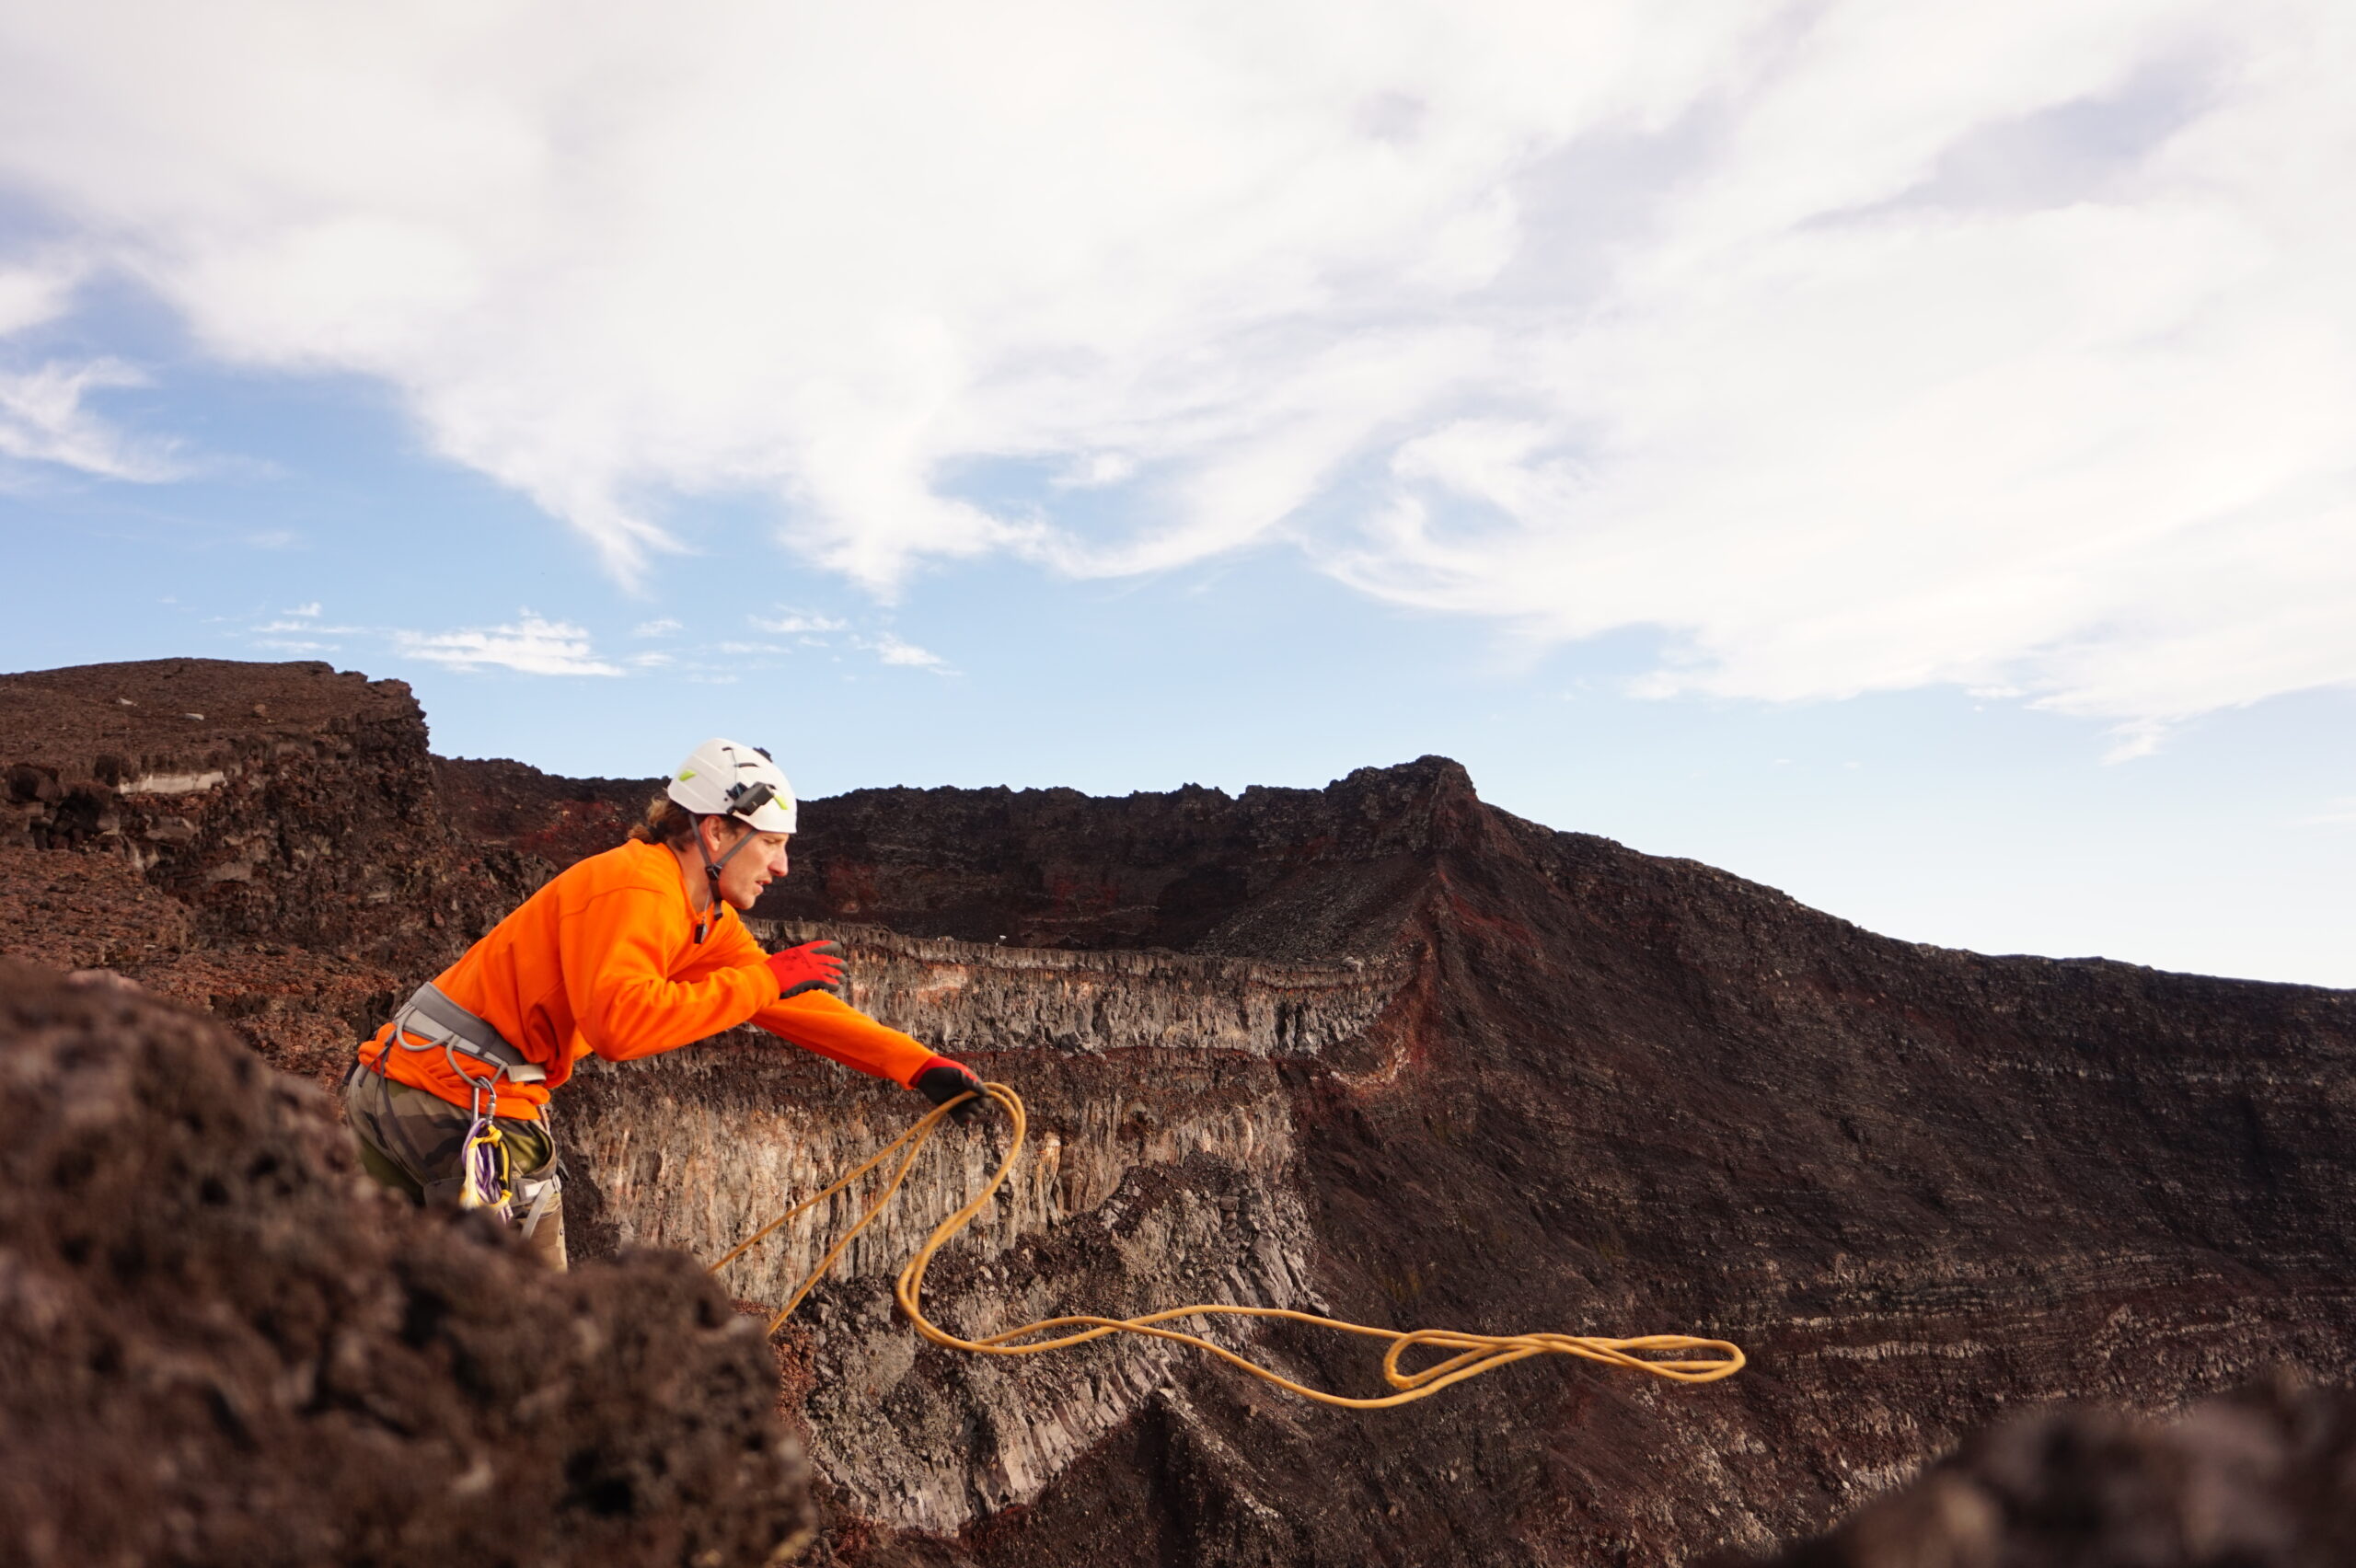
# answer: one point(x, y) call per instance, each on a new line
point(941, 1080)
point(813, 966)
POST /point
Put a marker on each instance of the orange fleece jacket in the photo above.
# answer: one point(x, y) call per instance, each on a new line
point(603, 961)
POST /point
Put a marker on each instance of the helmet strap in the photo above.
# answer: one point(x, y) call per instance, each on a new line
point(711, 869)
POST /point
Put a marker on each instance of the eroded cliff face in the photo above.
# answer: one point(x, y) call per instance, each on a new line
point(1163, 1160)
point(1384, 1051)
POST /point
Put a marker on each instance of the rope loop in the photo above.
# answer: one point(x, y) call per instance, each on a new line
point(1471, 1354)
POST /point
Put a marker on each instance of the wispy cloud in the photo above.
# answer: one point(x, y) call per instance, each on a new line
point(534, 646)
point(891, 651)
point(798, 621)
point(2135, 739)
point(312, 628)
point(31, 295)
point(2340, 812)
point(1852, 348)
point(663, 628)
point(311, 610)
point(45, 418)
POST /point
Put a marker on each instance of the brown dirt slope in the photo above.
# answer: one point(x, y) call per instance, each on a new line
point(217, 1346)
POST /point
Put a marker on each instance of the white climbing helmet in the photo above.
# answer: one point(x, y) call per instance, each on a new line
point(723, 778)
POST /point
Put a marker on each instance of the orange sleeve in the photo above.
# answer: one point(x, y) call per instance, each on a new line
point(625, 1004)
point(824, 1022)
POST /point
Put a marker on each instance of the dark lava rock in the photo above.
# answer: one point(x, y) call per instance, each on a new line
point(218, 1347)
point(2264, 1478)
point(552, 818)
point(1270, 873)
point(276, 802)
point(1380, 1050)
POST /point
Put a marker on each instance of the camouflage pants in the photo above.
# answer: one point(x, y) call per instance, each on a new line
point(410, 1141)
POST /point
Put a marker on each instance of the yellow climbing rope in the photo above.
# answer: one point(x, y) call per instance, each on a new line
point(1473, 1354)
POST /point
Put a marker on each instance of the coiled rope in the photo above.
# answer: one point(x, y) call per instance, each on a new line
point(1473, 1354)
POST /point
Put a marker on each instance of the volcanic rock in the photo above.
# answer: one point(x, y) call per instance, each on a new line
point(219, 1345)
point(1580, 1089)
point(552, 820)
point(265, 841)
point(2264, 1479)
point(1380, 1051)
point(304, 804)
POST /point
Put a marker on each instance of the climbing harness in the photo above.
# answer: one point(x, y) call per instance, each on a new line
point(1472, 1354)
point(486, 1177)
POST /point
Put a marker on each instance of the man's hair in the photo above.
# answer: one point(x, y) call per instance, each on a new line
point(667, 823)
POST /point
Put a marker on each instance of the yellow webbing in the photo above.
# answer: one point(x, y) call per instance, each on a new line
point(1475, 1354)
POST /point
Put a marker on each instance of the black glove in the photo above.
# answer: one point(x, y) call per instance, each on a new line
point(941, 1080)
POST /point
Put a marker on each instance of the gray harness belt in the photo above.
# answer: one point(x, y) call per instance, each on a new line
point(445, 1026)
point(442, 1023)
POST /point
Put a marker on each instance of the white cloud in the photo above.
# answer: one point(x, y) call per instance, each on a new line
point(663, 628)
point(1854, 347)
point(2340, 812)
point(31, 295)
point(310, 628)
point(891, 651)
point(311, 610)
point(796, 621)
point(45, 415)
point(534, 646)
point(44, 418)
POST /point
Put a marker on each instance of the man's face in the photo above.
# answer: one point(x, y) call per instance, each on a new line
point(756, 866)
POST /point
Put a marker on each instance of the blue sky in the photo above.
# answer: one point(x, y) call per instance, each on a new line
point(1898, 457)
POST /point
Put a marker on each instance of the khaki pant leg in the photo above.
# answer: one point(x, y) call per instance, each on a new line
point(546, 1238)
point(534, 1151)
point(387, 1174)
point(414, 1142)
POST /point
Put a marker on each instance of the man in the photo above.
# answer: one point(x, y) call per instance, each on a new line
point(630, 952)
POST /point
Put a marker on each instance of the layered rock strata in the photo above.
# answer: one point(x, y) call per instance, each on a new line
point(1180, 1180)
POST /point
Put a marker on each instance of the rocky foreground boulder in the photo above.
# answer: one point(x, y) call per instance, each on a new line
point(2264, 1479)
point(1377, 1050)
point(217, 1346)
